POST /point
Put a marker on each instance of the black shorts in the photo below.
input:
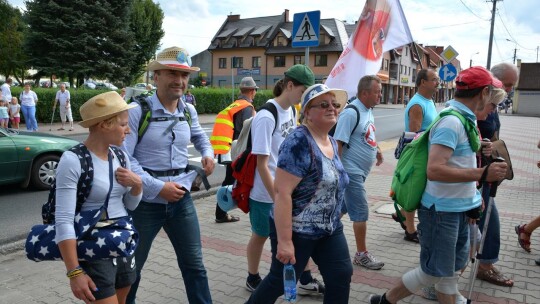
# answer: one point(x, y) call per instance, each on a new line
point(109, 275)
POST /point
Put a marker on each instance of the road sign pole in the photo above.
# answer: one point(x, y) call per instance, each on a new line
point(306, 57)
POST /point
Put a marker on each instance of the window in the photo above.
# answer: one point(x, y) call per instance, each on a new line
point(279, 61)
point(320, 60)
point(222, 63)
point(281, 41)
point(238, 62)
point(298, 59)
point(406, 51)
point(255, 62)
point(400, 69)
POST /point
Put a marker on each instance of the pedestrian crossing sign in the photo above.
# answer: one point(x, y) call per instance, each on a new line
point(306, 29)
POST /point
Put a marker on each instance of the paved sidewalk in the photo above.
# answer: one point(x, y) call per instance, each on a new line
point(23, 281)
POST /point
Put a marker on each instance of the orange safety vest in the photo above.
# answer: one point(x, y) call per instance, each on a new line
point(222, 134)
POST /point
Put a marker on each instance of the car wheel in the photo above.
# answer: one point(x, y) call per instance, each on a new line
point(44, 171)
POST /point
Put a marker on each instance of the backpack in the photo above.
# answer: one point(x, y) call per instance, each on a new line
point(410, 176)
point(333, 130)
point(84, 184)
point(146, 115)
point(245, 164)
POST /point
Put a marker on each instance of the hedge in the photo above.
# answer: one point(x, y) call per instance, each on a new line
point(209, 100)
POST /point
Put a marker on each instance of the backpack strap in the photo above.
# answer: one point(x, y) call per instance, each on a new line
point(470, 128)
point(120, 155)
point(146, 115)
point(87, 174)
point(272, 109)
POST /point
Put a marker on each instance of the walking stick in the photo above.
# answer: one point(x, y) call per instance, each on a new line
point(52, 118)
point(474, 260)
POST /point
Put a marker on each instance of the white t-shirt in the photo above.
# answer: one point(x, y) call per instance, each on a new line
point(6, 92)
point(62, 97)
point(13, 109)
point(266, 143)
point(28, 99)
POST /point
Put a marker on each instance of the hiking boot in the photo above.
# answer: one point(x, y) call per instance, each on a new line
point(251, 284)
point(313, 288)
point(375, 299)
point(367, 260)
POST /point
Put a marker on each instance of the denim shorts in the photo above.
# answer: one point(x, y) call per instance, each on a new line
point(111, 274)
point(259, 216)
point(356, 199)
point(444, 241)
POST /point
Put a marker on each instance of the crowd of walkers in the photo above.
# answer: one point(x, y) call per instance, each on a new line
point(305, 182)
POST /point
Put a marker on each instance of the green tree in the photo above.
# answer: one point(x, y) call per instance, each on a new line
point(12, 56)
point(80, 38)
point(146, 20)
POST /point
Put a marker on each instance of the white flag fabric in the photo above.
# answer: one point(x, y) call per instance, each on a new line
point(381, 27)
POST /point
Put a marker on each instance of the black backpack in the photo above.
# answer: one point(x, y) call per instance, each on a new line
point(84, 184)
point(333, 130)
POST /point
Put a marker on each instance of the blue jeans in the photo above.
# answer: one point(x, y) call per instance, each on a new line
point(330, 253)
point(29, 113)
point(180, 222)
point(444, 241)
point(492, 244)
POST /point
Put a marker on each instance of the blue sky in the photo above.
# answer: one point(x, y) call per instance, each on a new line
point(464, 24)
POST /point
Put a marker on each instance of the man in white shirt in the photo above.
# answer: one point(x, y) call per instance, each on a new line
point(63, 97)
point(6, 91)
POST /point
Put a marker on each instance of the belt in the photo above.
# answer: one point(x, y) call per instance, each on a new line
point(172, 172)
point(175, 172)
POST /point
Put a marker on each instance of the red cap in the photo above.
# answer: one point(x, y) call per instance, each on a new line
point(476, 77)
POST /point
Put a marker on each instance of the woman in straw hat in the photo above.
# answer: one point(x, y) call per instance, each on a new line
point(309, 193)
point(102, 281)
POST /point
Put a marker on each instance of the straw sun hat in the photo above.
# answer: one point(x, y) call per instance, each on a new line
point(101, 107)
point(173, 58)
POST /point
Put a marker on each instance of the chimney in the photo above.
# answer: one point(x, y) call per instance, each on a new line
point(286, 15)
point(233, 17)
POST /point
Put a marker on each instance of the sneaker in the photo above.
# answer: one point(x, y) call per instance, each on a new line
point(313, 288)
point(375, 299)
point(251, 285)
point(429, 293)
point(367, 260)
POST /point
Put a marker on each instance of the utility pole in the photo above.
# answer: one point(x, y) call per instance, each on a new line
point(537, 53)
point(515, 50)
point(488, 66)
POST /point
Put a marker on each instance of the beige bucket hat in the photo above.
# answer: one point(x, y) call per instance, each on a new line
point(101, 107)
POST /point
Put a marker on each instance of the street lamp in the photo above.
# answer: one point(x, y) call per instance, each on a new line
point(470, 61)
point(515, 48)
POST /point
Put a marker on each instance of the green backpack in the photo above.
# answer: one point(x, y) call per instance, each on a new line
point(410, 176)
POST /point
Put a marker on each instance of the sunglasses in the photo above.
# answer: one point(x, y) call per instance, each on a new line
point(326, 105)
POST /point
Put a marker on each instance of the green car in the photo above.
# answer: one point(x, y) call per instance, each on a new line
point(30, 158)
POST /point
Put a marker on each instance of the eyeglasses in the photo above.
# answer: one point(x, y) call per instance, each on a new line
point(326, 105)
point(436, 79)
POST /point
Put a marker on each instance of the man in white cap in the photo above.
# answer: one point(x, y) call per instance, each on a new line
point(235, 114)
point(160, 157)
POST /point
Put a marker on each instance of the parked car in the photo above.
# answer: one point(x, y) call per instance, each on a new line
point(30, 158)
point(88, 85)
point(143, 85)
point(106, 86)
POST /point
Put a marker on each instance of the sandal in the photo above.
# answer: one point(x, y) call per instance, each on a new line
point(494, 276)
point(398, 219)
point(525, 244)
point(411, 237)
point(228, 219)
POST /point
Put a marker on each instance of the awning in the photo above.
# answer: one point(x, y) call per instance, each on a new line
point(383, 77)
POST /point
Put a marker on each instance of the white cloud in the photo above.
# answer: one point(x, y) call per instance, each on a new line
point(192, 23)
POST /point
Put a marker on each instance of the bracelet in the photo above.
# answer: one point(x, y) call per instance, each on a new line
point(77, 271)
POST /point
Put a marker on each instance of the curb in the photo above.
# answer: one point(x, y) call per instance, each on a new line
point(17, 243)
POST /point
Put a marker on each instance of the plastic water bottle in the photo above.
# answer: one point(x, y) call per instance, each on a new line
point(289, 283)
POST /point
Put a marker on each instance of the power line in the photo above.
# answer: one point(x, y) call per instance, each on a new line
point(472, 11)
point(509, 34)
point(449, 25)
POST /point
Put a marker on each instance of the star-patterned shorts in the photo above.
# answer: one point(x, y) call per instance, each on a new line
point(109, 275)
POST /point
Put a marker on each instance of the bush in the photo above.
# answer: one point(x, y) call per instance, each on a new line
point(209, 100)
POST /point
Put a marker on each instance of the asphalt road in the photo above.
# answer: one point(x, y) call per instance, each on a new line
point(21, 208)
